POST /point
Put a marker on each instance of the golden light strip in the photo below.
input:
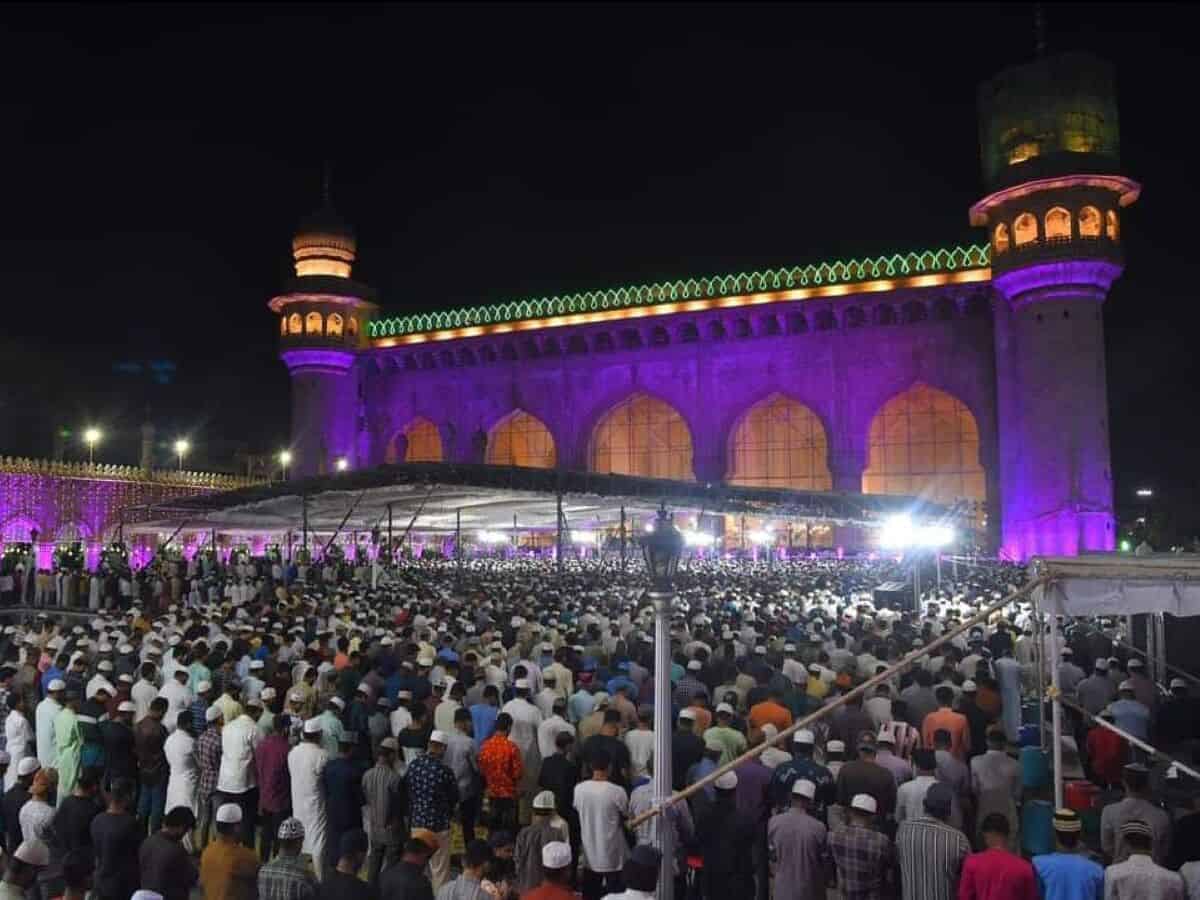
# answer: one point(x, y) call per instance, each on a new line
point(966, 276)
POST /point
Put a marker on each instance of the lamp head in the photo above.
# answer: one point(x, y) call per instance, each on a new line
point(661, 548)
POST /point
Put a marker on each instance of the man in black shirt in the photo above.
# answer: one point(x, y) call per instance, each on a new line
point(406, 880)
point(687, 749)
point(72, 824)
point(608, 742)
point(14, 798)
point(117, 837)
point(560, 774)
point(342, 883)
point(117, 735)
point(166, 867)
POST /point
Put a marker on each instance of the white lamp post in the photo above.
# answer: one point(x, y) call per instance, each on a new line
point(92, 437)
point(181, 450)
point(662, 546)
point(285, 460)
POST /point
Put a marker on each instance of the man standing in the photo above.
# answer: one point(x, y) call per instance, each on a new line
point(1096, 691)
point(864, 858)
point(798, 848)
point(602, 807)
point(341, 782)
point(228, 870)
point(802, 765)
point(286, 877)
point(208, 761)
point(1067, 873)
point(306, 762)
point(274, 783)
point(433, 794)
point(1139, 877)
point(381, 785)
point(68, 745)
point(237, 779)
point(996, 782)
point(931, 852)
point(945, 718)
point(501, 767)
point(996, 873)
point(166, 867)
point(47, 712)
point(19, 737)
point(556, 873)
point(1139, 806)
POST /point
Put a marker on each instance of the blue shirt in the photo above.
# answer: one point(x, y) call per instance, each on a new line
point(1131, 716)
point(483, 722)
point(580, 704)
point(51, 673)
point(1068, 876)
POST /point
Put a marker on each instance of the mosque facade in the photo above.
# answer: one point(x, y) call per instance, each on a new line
point(972, 376)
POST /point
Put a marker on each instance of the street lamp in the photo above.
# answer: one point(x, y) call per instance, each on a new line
point(1145, 492)
point(285, 460)
point(92, 437)
point(662, 545)
point(181, 449)
point(342, 464)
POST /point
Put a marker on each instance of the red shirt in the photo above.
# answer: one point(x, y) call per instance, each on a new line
point(1107, 752)
point(501, 766)
point(274, 783)
point(547, 890)
point(953, 722)
point(996, 875)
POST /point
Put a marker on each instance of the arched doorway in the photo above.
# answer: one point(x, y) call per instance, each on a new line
point(643, 436)
point(419, 441)
point(780, 443)
point(520, 439)
point(925, 442)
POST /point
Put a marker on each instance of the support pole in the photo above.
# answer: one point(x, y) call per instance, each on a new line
point(1056, 710)
point(391, 548)
point(622, 538)
point(458, 544)
point(304, 523)
point(1039, 651)
point(860, 691)
point(558, 547)
point(516, 538)
point(663, 778)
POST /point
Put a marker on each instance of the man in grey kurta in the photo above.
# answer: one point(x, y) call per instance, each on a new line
point(799, 848)
point(1097, 690)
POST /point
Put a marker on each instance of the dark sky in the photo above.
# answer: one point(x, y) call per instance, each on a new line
point(158, 158)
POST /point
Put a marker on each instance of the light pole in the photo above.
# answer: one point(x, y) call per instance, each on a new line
point(92, 437)
point(661, 548)
point(181, 450)
point(285, 460)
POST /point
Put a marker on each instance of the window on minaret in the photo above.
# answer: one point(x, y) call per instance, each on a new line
point(312, 323)
point(333, 326)
point(295, 324)
point(1114, 232)
point(1058, 224)
point(1025, 229)
point(1089, 222)
point(1000, 238)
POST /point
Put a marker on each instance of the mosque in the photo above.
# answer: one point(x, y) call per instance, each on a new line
point(970, 376)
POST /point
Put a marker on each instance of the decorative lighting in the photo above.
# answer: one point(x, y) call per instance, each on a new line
point(583, 537)
point(181, 449)
point(342, 464)
point(899, 533)
point(92, 437)
point(935, 536)
point(649, 527)
point(761, 536)
point(1126, 546)
point(693, 538)
point(285, 460)
point(492, 537)
point(1145, 492)
point(661, 548)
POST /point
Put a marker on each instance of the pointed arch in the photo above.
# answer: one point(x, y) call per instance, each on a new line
point(1025, 229)
point(295, 324)
point(1089, 222)
point(418, 441)
point(1057, 224)
point(313, 323)
point(18, 530)
point(780, 443)
point(521, 439)
point(333, 325)
point(925, 442)
point(645, 436)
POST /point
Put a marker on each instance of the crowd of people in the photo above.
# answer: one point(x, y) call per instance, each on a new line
point(487, 732)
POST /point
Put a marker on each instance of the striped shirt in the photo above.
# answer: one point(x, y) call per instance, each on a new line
point(931, 857)
point(380, 784)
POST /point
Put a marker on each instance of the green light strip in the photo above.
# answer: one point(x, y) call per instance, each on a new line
point(974, 256)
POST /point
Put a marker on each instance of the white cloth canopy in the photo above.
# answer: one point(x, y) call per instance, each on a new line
point(1119, 586)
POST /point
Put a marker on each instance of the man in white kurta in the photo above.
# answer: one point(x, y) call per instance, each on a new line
point(306, 762)
point(19, 738)
point(47, 712)
point(180, 751)
point(178, 696)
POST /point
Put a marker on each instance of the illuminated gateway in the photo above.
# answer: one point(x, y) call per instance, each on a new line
point(967, 375)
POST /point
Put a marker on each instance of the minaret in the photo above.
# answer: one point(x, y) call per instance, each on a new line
point(322, 324)
point(1051, 164)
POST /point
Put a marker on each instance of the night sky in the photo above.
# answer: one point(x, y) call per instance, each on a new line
point(159, 157)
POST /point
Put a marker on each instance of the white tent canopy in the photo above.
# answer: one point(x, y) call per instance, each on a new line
point(1105, 585)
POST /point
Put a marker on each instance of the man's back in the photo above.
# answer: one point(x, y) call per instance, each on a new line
point(931, 856)
point(1068, 876)
point(1140, 878)
point(997, 875)
point(405, 881)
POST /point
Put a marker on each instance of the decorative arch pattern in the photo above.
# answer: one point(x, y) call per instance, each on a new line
point(1058, 224)
point(1000, 238)
point(520, 439)
point(418, 441)
point(1025, 229)
point(644, 436)
point(313, 323)
point(1089, 222)
point(925, 442)
point(295, 324)
point(780, 443)
point(333, 325)
point(17, 530)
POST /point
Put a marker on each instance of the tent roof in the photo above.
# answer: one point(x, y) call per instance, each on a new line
point(1112, 585)
point(489, 496)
